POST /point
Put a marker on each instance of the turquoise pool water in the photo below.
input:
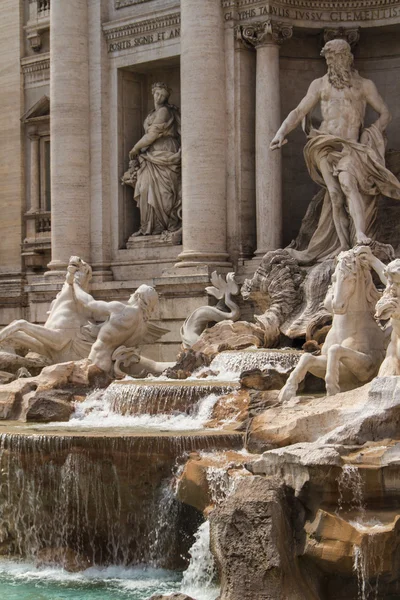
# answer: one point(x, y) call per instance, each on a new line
point(20, 581)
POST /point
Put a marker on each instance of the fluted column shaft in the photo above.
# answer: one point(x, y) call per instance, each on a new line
point(203, 134)
point(266, 37)
point(69, 130)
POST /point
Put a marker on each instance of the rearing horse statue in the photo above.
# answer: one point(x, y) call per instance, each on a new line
point(355, 345)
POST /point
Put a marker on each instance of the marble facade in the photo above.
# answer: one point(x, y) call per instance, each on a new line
point(76, 82)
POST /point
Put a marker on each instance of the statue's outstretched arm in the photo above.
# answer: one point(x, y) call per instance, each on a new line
point(294, 118)
point(98, 308)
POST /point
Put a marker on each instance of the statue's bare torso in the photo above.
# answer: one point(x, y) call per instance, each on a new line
point(343, 110)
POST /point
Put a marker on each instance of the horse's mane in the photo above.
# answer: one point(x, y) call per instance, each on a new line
point(349, 262)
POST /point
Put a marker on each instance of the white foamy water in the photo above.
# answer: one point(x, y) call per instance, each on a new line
point(23, 581)
point(95, 411)
point(231, 364)
point(199, 578)
point(370, 526)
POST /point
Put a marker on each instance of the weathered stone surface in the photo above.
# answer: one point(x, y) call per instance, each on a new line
point(368, 413)
point(11, 397)
point(13, 362)
point(6, 377)
point(229, 336)
point(187, 362)
point(332, 543)
point(252, 539)
point(231, 408)
point(47, 406)
point(80, 374)
point(304, 420)
point(205, 480)
point(19, 396)
point(267, 379)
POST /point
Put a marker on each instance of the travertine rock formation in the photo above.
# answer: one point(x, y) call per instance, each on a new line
point(253, 541)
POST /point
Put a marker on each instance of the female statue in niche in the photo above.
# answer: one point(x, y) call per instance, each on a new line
point(155, 168)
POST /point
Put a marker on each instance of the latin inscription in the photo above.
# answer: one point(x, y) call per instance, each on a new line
point(144, 40)
point(338, 16)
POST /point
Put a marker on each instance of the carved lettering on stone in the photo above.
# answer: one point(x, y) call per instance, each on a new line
point(315, 12)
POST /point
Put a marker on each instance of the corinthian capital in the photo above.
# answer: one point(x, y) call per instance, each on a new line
point(350, 34)
point(263, 33)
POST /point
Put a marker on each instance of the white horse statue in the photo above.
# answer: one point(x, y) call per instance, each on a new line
point(355, 345)
point(68, 333)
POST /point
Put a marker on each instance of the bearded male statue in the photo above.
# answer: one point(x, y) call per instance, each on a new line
point(341, 156)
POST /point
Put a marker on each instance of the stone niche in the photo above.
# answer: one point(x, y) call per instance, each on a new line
point(375, 57)
point(135, 101)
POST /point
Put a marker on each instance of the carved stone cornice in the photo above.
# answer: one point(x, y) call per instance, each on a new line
point(114, 31)
point(318, 4)
point(264, 33)
point(123, 3)
point(36, 69)
point(351, 35)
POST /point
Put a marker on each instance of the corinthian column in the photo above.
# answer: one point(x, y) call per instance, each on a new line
point(267, 37)
point(69, 130)
point(203, 133)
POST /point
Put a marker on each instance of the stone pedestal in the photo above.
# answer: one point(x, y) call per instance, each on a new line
point(203, 134)
point(266, 37)
point(69, 128)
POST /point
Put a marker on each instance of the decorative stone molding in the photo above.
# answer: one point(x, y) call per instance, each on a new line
point(36, 69)
point(39, 21)
point(140, 33)
point(264, 33)
point(317, 4)
point(352, 35)
point(123, 3)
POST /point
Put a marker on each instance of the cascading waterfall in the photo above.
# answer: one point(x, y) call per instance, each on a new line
point(155, 406)
point(366, 558)
point(199, 578)
point(351, 490)
point(107, 500)
point(160, 398)
point(233, 363)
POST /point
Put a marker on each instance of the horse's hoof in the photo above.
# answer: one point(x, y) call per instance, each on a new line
point(286, 394)
point(332, 391)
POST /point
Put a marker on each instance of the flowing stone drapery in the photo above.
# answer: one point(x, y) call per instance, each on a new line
point(266, 37)
point(203, 134)
point(69, 130)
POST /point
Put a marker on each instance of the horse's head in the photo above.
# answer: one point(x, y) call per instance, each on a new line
point(353, 266)
point(389, 305)
point(81, 271)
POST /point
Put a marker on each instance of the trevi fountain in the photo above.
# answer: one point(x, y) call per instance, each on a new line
point(192, 405)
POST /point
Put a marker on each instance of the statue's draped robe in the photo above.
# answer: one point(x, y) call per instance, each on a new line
point(365, 160)
point(158, 188)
